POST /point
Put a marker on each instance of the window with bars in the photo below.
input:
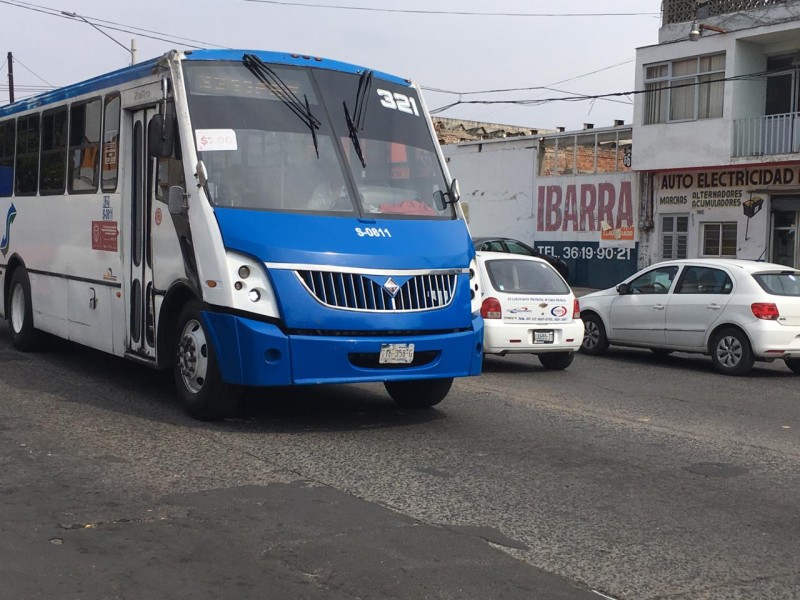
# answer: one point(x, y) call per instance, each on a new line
point(674, 236)
point(719, 239)
point(685, 90)
point(586, 153)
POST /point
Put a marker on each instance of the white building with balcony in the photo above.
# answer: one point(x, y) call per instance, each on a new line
point(717, 132)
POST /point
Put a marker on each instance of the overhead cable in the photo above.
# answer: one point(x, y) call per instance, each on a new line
point(453, 12)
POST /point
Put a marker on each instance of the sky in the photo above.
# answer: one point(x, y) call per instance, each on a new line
point(438, 44)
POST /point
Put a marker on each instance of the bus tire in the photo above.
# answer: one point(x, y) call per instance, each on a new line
point(419, 393)
point(197, 378)
point(24, 337)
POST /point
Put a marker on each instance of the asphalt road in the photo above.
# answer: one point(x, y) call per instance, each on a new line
point(636, 476)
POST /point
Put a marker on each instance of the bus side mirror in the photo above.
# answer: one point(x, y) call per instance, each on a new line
point(451, 196)
point(160, 136)
point(439, 200)
point(454, 191)
point(175, 200)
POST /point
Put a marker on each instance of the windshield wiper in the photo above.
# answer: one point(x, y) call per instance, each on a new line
point(356, 123)
point(284, 93)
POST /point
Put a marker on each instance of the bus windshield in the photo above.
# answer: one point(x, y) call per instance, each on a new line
point(286, 144)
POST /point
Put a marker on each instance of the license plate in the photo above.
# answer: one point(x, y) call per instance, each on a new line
point(543, 337)
point(396, 354)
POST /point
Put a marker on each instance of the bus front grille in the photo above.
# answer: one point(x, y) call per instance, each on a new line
point(353, 291)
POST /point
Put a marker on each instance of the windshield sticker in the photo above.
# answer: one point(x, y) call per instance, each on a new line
point(214, 140)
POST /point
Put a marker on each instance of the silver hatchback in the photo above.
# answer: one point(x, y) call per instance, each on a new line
point(736, 311)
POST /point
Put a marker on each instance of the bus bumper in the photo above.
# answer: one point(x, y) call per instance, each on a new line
point(254, 353)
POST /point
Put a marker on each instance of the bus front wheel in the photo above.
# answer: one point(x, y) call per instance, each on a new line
point(420, 393)
point(20, 312)
point(197, 378)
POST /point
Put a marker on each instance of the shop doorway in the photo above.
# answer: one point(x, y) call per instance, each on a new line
point(784, 249)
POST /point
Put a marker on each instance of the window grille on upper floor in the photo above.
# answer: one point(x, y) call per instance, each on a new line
point(681, 11)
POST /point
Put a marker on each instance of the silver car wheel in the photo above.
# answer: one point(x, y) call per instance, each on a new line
point(729, 351)
point(591, 334)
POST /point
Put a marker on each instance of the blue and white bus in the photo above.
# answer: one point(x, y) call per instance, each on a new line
point(244, 218)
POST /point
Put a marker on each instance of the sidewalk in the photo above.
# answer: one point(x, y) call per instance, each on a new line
point(582, 291)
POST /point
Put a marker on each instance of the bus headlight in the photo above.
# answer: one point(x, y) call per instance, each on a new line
point(251, 289)
point(474, 287)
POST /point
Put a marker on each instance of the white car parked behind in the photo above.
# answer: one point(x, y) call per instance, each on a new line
point(528, 308)
point(738, 311)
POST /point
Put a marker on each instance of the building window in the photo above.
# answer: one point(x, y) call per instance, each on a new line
point(587, 153)
point(674, 236)
point(719, 239)
point(685, 90)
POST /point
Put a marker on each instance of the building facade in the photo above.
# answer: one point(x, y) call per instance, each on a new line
point(717, 132)
point(568, 194)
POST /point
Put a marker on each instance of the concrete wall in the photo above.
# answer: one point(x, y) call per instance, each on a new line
point(496, 180)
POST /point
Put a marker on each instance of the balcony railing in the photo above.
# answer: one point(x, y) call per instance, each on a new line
point(767, 135)
point(680, 11)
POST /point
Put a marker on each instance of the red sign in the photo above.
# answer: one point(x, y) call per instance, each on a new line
point(104, 235)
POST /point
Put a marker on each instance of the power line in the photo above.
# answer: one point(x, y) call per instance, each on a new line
point(581, 98)
point(114, 26)
point(453, 12)
point(527, 89)
point(16, 60)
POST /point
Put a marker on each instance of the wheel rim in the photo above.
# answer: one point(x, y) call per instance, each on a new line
point(193, 356)
point(17, 308)
point(729, 351)
point(591, 335)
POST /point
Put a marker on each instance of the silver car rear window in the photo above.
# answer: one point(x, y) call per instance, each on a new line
point(785, 283)
point(525, 277)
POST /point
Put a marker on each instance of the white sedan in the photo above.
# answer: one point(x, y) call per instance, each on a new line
point(737, 311)
point(528, 308)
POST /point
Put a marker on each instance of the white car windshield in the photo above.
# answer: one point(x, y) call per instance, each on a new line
point(785, 283)
point(525, 277)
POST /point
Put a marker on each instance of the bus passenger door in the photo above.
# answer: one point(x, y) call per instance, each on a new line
point(141, 320)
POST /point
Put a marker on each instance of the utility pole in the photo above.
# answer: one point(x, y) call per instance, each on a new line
point(10, 78)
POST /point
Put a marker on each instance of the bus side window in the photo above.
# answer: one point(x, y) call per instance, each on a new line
point(84, 146)
point(170, 173)
point(110, 167)
point(26, 173)
point(170, 169)
point(52, 176)
point(7, 142)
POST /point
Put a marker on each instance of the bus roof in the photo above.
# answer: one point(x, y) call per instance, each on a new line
point(146, 68)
